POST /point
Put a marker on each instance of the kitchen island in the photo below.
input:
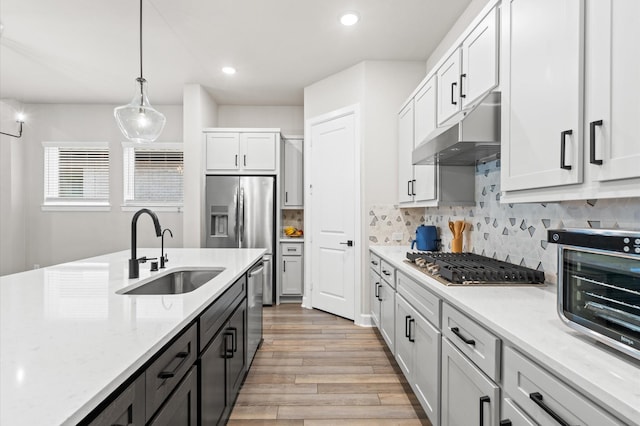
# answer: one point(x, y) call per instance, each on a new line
point(525, 318)
point(68, 340)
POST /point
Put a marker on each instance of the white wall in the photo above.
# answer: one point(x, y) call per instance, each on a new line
point(379, 87)
point(290, 119)
point(12, 222)
point(456, 30)
point(55, 236)
point(200, 111)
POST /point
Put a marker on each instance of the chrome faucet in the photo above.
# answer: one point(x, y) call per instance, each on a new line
point(134, 267)
point(163, 256)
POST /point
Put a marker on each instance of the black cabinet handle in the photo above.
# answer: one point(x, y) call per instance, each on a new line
point(563, 145)
point(592, 142)
point(537, 398)
point(227, 353)
point(387, 273)
point(373, 262)
point(462, 95)
point(505, 422)
point(284, 266)
point(409, 187)
point(286, 197)
point(245, 159)
point(234, 342)
point(483, 399)
point(411, 321)
point(413, 187)
point(169, 374)
point(236, 160)
point(456, 331)
point(378, 291)
point(453, 89)
point(406, 326)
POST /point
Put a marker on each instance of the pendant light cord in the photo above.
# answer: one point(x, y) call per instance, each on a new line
point(141, 78)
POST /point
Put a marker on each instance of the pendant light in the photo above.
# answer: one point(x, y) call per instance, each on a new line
point(138, 120)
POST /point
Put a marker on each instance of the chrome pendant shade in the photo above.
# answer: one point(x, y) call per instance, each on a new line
point(138, 120)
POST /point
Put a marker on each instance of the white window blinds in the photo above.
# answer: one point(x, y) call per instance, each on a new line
point(76, 173)
point(153, 174)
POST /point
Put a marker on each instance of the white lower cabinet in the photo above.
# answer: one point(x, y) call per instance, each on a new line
point(418, 354)
point(291, 269)
point(375, 282)
point(387, 314)
point(546, 399)
point(469, 397)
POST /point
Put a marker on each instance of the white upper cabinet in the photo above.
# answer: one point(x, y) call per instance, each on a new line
point(480, 61)
point(613, 83)
point(542, 81)
point(448, 77)
point(238, 152)
point(405, 147)
point(425, 111)
point(293, 175)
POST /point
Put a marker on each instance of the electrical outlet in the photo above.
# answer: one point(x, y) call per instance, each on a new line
point(397, 236)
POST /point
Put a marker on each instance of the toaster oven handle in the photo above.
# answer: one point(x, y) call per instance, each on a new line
point(537, 398)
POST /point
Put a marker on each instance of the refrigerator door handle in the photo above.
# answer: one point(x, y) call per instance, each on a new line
point(241, 216)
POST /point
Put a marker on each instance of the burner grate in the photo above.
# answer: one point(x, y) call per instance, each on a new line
point(465, 268)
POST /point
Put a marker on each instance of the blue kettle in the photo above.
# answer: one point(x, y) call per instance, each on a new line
point(426, 238)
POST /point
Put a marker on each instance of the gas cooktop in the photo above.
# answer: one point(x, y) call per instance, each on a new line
point(473, 269)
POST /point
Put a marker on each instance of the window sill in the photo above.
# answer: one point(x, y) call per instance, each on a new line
point(155, 208)
point(76, 207)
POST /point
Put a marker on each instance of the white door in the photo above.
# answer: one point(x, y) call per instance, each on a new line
point(223, 151)
point(405, 146)
point(612, 70)
point(258, 151)
point(542, 87)
point(333, 211)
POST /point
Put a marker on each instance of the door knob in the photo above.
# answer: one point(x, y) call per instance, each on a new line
point(348, 243)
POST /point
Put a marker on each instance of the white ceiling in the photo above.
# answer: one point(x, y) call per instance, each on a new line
point(86, 51)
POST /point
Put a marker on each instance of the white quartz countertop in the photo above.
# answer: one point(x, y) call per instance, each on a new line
point(527, 318)
point(67, 340)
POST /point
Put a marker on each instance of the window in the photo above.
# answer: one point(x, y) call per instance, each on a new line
point(76, 174)
point(153, 174)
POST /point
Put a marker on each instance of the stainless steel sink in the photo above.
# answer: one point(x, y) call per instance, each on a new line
point(176, 282)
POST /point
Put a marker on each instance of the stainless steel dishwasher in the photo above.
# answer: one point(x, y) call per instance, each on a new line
point(255, 281)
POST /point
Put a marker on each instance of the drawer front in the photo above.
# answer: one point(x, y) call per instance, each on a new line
point(374, 262)
point(481, 346)
point(425, 302)
point(512, 415)
point(291, 249)
point(388, 273)
point(164, 374)
point(527, 383)
point(212, 319)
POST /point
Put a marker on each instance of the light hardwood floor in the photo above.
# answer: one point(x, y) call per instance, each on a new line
point(316, 369)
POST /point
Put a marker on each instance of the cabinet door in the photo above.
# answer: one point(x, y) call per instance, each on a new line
point(542, 97)
point(181, 409)
point(293, 172)
point(291, 275)
point(426, 367)
point(258, 151)
point(479, 61)
point(512, 415)
point(449, 88)
point(126, 409)
point(612, 70)
point(223, 150)
point(387, 314)
point(213, 378)
point(468, 396)
point(425, 111)
point(405, 147)
point(404, 347)
point(236, 362)
point(375, 282)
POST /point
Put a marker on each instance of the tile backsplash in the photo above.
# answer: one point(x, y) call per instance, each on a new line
point(516, 233)
point(293, 218)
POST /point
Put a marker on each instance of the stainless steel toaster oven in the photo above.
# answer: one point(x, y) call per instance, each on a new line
point(599, 284)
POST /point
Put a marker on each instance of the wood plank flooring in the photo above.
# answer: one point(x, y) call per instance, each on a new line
point(316, 369)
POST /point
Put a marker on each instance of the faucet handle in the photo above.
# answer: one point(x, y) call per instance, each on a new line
point(154, 266)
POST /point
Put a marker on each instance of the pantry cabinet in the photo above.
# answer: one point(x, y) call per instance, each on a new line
point(542, 93)
point(291, 269)
point(241, 152)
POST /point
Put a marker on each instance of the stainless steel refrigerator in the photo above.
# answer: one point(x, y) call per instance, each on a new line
point(240, 212)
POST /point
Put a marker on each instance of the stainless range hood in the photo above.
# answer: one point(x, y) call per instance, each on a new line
point(475, 138)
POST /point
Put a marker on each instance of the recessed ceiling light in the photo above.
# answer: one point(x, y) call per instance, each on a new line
point(349, 18)
point(229, 70)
